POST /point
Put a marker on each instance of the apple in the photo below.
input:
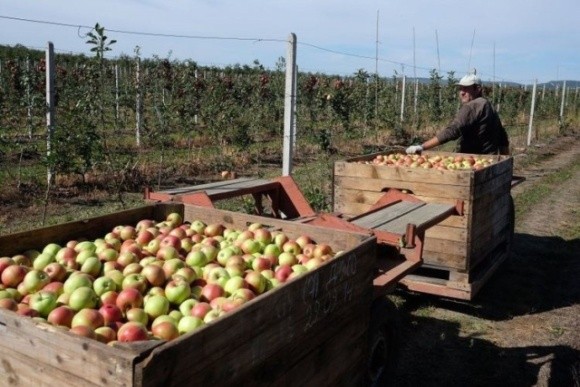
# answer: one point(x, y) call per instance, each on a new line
point(127, 257)
point(132, 268)
point(61, 315)
point(51, 249)
point(132, 331)
point(144, 237)
point(171, 266)
point(82, 298)
point(304, 240)
point(198, 226)
point(136, 281)
point(169, 246)
point(9, 304)
point(210, 251)
point(313, 263)
point(138, 315)
point(283, 272)
point(280, 238)
point(109, 297)
point(41, 261)
point(214, 229)
point(22, 260)
point(165, 330)
point(263, 235)
point(104, 284)
point(189, 324)
point(129, 298)
point(117, 276)
point(154, 274)
point(144, 224)
point(156, 306)
point(186, 306)
point(272, 249)
point(43, 302)
point(88, 317)
point(105, 334)
point(56, 271)
point(84, 331)
point(200, 309)
point(261, 264)
point(153, 246)
point(77, 280)
point(177, 291)
point(211, 291)
point(212, 315)
point(35, 280)
point(174, 219)
point(111, 265)
point(92, 266)
point(4, 263)
point(13, 275)
point(234, 284)
point(55, 287)
point(111, 313)
point(287, 258)
point(217, 275)
point(186, 273)
point(256, 282)
point(224, 254)
point(196, 258)
point(321, 249)
point(164, 317)
point(108, 254)
point(291, 246)
point(231, 304)
point(251, 246)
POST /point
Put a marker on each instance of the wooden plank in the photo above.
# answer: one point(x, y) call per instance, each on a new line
point(420, 217)
point(242, 182)
point(417, 188)
point(385, 215)
point(440, 231)
point(402, 174)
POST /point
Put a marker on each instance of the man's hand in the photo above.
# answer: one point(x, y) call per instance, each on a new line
point(414, 149)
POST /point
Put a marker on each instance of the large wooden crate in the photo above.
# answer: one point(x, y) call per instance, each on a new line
point(461, 251)
point(310, 331)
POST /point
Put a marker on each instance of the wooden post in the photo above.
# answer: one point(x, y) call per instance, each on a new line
point(403, 99)
point(530, 125)
point(139, 104)
point(289, 105)
point(28, 99)
point(561, 119)
point(50, 108)
point(117, 92)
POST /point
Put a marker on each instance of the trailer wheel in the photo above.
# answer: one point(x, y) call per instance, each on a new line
point(383, 342)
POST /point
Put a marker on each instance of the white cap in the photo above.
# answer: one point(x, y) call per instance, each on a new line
point(470, 80)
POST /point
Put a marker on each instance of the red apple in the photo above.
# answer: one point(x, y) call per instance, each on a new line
point(110, 313)
point(132, 331)
point(165, 330)
point(61, 315)
point(88, 317)
point(129, 298)
point(13, 275)
point(211, 291)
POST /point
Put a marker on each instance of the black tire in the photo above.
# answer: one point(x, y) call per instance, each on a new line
point(384, 334)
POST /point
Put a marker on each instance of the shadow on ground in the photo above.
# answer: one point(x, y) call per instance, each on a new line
point(541, 275)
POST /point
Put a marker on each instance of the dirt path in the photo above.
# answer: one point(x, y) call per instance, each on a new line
point(523, 329)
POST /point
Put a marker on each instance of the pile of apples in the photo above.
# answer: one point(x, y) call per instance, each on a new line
point(154, 280)
point(441, 163)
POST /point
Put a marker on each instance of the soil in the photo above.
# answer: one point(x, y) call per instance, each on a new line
point(523, 327)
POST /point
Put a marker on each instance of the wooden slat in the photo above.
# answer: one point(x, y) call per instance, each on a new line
point(420, 216)
point(416, 187)
point(243, 182)
point(385, 215)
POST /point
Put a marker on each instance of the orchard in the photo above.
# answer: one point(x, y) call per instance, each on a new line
point(153, 280)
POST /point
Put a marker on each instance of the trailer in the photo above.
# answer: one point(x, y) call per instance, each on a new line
point(330, 326)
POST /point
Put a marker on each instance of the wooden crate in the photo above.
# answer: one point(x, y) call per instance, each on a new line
point(460, 246)
point(310, 331)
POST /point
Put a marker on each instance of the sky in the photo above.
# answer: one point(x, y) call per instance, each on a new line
point(505, 40)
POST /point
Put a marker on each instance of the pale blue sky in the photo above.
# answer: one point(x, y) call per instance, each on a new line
point(515, 40)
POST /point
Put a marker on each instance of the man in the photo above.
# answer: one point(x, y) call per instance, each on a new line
point(476, 124)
